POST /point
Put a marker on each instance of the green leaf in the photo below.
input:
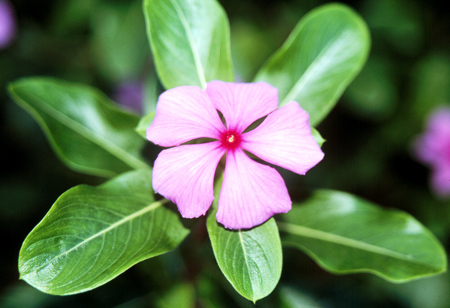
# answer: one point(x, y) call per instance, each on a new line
point(323, 54)
point(250, 259)
point(190, 41)
point(346, 234)
point(93, 234)
point(317, 136)
point(152, 90)
point(145, 123)
point(90, 133)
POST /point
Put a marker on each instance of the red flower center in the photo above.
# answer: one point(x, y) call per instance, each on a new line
point(230, 139)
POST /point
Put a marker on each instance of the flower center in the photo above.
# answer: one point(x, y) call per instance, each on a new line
point(230, 140)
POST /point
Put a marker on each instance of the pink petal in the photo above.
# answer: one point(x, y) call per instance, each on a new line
point(251, 193)
point(433, 145)
point(7, 24)
point(183, 114)
point(185, 175)
point(242, 103)
point(440, 180)
point(284, 139)
point(439, 121)
point(429, 147)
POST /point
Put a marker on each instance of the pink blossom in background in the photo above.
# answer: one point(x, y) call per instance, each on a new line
point(433, 149)
point(251, 192)
point(130, 94)
point(7, 24)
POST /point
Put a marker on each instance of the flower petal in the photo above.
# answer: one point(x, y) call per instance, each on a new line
point(185, 175)
point(7, 24)
point(251, 193)
point(182, 114)
point(428, 147)
point(242, 103)
point(284, 138)
point(439, 121)
point(433, 146)
point(440, 180)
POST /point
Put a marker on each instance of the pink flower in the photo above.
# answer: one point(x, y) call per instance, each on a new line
point(7, 24)
point(251, 192)
point(433, 149)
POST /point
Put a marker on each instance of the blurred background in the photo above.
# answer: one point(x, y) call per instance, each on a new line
point(369, 149)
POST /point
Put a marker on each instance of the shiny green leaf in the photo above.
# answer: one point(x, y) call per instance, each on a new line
point(323, 54)
point(90, 133)
point(346, 234)
point(317, 136)
point(250, 259)
point(92, 234)
point(152, 90)
point(189, 40)
point(144, 124)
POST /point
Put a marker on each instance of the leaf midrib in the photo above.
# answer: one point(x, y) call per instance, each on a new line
point(87, 133)
point(241, 240)
point(345, 241)
point(310, 70)
point(148, 208)
point(190, 37)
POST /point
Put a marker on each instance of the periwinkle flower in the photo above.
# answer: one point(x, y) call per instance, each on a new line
point(251, 192)
point(7, 24)
point(433, 149)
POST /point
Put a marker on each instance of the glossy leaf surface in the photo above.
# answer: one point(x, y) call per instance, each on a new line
point(189, 41)
point(92, 234)
point(345, 234)
point(144, 124)
point(317, 136)
point(323, 54)
point(250, 259)
point(90, 133)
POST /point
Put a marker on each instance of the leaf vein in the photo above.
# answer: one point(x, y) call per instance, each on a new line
point(124, 220)
point(195, 53)
point(345, 241)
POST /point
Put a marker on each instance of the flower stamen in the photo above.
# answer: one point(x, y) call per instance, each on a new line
point(230, 140)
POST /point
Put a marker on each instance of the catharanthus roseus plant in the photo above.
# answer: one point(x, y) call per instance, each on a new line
point(433, 149)
point(93, 234)
point(7, 24)
point(251, 192)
